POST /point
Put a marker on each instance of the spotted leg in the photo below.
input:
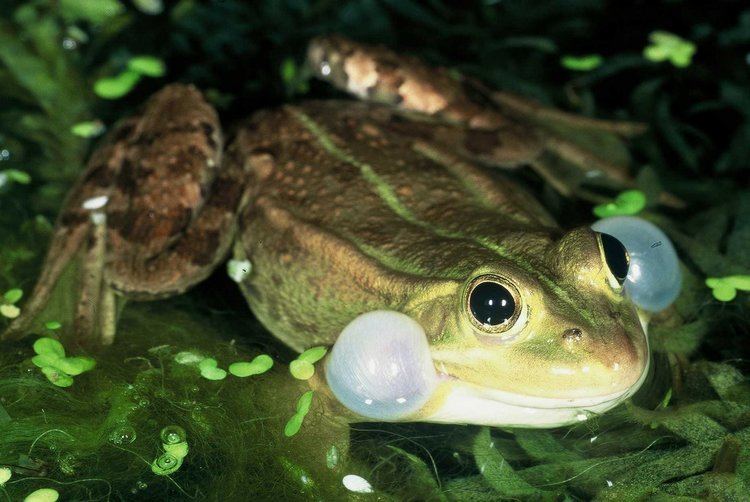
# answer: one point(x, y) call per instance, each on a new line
point(153, 214)
point(499, 129)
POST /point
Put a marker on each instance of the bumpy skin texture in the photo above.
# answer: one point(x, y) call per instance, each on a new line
point(152, 215)
point(346, 207)
point(349, 213)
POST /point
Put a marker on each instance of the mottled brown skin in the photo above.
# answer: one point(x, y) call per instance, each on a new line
point(345, 207)
point(327, 244)
point(169, 218)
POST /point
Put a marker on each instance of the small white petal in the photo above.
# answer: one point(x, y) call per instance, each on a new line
point(356, 484)
point(95, 202)
point(238, 269)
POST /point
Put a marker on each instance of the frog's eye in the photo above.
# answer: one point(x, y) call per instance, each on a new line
point(616, 256)
point(493, 304)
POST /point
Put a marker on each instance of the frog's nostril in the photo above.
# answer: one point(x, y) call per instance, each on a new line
point(572, 335)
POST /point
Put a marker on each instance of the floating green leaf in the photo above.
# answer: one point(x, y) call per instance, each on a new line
point(52, 325)
point(725, 289)
point(627, 203)
point(75, 365)
point(89, 129)
point(42, 495)
point(13, 295)
point(5, 474)
point(10, 311)
point(16, 176)
point(301, 370)
point(313, 355)
point(56, 367)
point(303, 403)
point(582, 63)
point(148, 66)
point(43, 360)
point(93, 11)
point(49, 346)
point(303, 407)
point(57, 377)
point(293, 425)
point(258, 365)
point(210, 371)
point(667, 46)
point(117, 86)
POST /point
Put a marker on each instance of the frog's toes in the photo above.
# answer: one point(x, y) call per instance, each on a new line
point(380, 366)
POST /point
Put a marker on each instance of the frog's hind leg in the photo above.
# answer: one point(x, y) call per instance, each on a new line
point(498, 129)
point(165, 221)
point(71, 272)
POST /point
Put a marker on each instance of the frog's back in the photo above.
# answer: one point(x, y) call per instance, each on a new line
point(353, 206)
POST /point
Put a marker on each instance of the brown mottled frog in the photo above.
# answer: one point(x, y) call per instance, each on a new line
point(396, 218)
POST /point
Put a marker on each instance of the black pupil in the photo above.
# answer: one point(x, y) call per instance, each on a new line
point(491, 303)
point(617, 257)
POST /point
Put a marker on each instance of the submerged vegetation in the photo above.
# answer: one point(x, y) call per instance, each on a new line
point(188, 405)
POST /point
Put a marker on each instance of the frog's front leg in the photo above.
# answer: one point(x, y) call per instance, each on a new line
point(152, 216)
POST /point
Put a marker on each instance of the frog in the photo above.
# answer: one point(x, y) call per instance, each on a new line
point(407, 201)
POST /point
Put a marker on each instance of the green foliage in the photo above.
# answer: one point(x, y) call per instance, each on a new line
point(667, 46)
point(725, 289)
point(210, 371)
point(582, 63)
point(12, 295)
point(117, 86)
point(100, 437)
point(88, 129)
point(94, 12)
point(148, 66)
point(58, 369)
point(259, 365)
point(294, 424)
point(303, 367)
point(627, 203)
point(313, 355)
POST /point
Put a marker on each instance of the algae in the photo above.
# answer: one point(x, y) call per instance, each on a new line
point(681, 67)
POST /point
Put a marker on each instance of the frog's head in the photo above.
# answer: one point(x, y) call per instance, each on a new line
point(552, 341)
point(535, 341)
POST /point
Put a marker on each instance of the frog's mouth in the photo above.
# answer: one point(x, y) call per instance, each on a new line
point(459, 402)
point(381, 368)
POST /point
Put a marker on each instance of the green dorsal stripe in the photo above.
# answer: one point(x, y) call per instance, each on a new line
point(389, 197)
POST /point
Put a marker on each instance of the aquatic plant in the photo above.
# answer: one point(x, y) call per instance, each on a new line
point(686, 435)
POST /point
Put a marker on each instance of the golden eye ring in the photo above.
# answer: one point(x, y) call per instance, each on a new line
point(492, 303)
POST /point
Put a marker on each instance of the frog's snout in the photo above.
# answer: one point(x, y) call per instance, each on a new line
point(618, 355)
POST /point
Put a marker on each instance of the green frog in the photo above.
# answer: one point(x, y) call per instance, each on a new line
point(403, 204)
